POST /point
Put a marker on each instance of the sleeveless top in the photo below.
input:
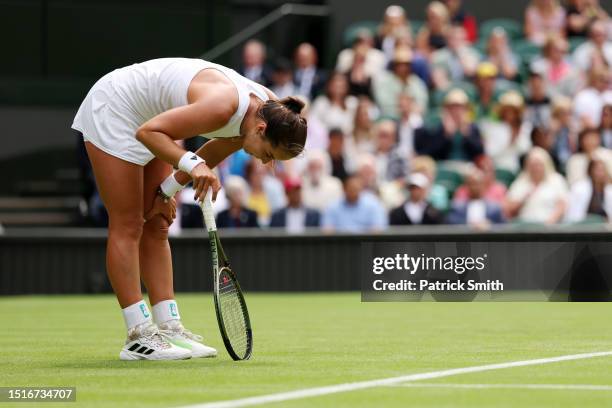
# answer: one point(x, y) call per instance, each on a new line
point(153, 87)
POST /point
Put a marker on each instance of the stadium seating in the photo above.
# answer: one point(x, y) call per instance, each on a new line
point(449, 178)
point(352, 31)
point(437, 96)
point(34, 196)
point(513, 29)
point(505, 176)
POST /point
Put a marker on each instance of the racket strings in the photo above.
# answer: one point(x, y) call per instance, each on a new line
point(233, 315)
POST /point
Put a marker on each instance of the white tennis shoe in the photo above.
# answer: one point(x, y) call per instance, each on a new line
point(145, 342)
point(174, 332)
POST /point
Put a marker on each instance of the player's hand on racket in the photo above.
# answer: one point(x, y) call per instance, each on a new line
point(203, 179)
point(166, 207)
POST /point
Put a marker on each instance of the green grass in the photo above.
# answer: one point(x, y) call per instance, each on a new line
point(311, 340)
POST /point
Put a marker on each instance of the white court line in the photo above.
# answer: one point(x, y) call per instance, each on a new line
point(585, 387)
point(334, 389)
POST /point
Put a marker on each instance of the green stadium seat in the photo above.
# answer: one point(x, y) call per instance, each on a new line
point(437, 97)
point(575, 42)
point(591, 219)
point(520, 224)
point(432, 118)
point(449, 178)
point(513, 28)
point(416, 26)
point(505, 176)
point(351, 32)
point(527, 50)
point(467, 87)
point(504, 86)
point(481, 45)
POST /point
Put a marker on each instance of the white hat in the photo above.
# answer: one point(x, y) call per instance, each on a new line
point(419, 180)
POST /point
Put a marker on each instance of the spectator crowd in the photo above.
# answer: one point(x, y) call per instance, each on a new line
point(446, 120)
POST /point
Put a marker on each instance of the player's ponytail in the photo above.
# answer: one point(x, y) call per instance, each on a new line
point(285, 127)
point(293, 104)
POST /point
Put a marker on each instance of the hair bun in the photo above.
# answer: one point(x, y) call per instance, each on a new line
point(293, 103)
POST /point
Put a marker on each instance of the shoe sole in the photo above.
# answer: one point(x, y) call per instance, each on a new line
point(193, 355)
point(126, 355)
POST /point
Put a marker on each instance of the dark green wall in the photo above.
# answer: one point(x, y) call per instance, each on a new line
point(54, 50)
point(86, 38)
point(20, 37)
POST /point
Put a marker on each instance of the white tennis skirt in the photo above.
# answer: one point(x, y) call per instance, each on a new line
point(109, 123)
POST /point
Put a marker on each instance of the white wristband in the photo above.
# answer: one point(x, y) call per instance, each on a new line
point(170, 186)
point(189, 161)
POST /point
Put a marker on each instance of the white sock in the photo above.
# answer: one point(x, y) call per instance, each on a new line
point(136, 314)
point(165, 311)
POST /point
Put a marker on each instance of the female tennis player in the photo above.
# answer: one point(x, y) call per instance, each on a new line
point(130, 121)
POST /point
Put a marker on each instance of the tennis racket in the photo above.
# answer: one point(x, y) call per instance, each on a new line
point(232, 313)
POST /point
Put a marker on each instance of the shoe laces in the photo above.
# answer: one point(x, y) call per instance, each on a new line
point(175, 327)
point(151, 333)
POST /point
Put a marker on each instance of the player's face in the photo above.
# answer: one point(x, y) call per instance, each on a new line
point(256, 144)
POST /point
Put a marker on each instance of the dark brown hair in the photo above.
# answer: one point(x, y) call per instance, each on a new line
point(285, 127)
point(584, 133)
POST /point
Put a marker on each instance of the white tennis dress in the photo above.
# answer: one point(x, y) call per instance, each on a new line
point(121, 101)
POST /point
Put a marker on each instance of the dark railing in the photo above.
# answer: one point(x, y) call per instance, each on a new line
point(72, 260)
point(287, 9)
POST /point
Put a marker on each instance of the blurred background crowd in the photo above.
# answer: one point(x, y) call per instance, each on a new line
point(444, 121)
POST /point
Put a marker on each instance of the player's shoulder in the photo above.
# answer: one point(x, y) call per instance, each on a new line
point(214, 92)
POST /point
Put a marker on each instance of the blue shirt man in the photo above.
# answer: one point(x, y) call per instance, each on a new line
point(358, 211)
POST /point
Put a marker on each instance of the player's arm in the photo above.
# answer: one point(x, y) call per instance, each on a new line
point(210, 112)
point(205, 115)
point(214, 152)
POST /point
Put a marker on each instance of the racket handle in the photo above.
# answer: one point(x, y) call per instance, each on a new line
point(207, 211)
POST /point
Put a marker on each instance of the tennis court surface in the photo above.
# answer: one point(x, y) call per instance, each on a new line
point(322, 350)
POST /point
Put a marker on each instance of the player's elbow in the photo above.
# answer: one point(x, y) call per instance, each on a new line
point(143, 134)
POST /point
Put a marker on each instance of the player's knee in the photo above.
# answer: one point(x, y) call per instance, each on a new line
point(128, 228)
point(157, 228)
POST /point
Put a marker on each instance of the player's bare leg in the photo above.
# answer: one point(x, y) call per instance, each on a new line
point(155, 256)
point(121, 188)
point(156, 269)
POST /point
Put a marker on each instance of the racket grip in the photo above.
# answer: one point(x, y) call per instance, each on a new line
point(207, 212)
